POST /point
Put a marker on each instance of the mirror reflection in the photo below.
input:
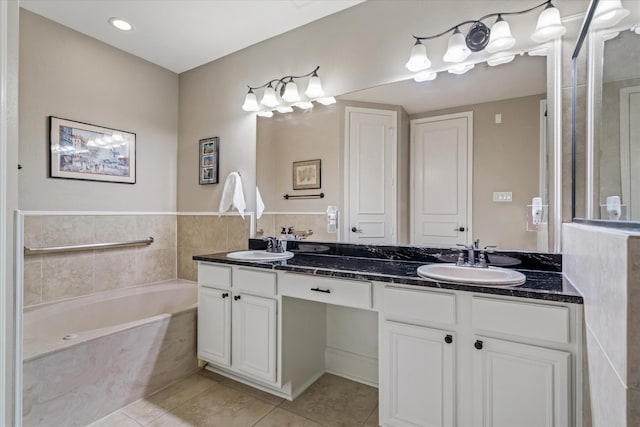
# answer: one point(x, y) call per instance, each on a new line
point(618, 139)
point(435, 163)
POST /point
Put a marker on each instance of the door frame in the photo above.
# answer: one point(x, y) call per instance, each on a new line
point(412, 148)
point(343, 230)
point(625, 146)
point(543, 235)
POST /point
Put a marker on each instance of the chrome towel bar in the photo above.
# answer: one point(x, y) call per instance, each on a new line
point(86, 247)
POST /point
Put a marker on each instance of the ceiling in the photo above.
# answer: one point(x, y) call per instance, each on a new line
point(183, 34)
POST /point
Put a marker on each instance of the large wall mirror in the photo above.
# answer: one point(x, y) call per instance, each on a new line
point(611, 165)
point(499, 127)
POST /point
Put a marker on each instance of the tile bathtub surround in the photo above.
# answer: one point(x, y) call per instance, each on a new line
point(198, 234)
point(208, 399)
point(53, 277)
point(609, 279)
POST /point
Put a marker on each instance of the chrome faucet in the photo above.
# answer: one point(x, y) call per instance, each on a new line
point(471, 250)
point(274, 245)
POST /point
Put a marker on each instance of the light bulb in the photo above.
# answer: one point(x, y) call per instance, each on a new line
point(284, 109)
point(549, 25)
point(291, 92)
point(327, 100)
point(460, 68)
point(500, 38)
point(500, 59)
point(304, 105)
point(418, 60)
point(425, 76)
point(269, 98)
point(314, 89)
point(458, 50)
point(608, 13)
point(250, 102)
point(120, 24)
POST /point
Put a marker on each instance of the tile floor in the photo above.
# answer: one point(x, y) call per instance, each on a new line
point(207, 399)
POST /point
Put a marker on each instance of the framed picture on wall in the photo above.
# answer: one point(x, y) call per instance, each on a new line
point(92, 153)
point(306, 175)
point(208, 160)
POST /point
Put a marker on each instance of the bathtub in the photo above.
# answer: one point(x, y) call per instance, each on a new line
point(88, 356)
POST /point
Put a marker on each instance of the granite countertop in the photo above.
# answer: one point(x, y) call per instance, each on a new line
point(540, 284)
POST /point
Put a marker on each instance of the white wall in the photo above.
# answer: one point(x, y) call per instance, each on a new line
point(67, 74)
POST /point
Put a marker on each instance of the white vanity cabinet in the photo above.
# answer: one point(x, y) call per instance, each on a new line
point(458, 358)
point(237, 327)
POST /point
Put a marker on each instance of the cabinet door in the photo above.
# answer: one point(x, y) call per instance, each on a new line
point(214, 326)
point(417, 376)
point(520, 385)
point(254, 336)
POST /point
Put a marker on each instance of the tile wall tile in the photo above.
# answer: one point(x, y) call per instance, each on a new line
point(33, 280)
point(115, 269)
point(114, 228)
point(65, 276)
point(33, 231)
point(67, 230)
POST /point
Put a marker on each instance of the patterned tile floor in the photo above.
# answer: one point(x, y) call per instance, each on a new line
point(207, 399)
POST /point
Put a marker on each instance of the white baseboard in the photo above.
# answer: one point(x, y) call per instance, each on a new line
point(356, 367)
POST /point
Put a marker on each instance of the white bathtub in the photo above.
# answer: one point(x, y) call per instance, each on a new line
point(86, 357)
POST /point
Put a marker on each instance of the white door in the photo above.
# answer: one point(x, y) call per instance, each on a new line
point(630, 150)
point(418, 376)
point(214, 326)
point(254, 336)
point(370, 196)
point(520, 385)
point(441, 172)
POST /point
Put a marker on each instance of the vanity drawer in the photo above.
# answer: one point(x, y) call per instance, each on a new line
point(420, 306)
point(254, 281)
point(351, 293)
point(538, 321)
point(214, 276)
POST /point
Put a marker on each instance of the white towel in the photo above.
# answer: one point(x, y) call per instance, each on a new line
point(259, 204)
point(232, 195)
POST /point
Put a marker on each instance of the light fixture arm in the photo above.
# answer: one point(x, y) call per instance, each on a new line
point(546, 3)
point(285, 79)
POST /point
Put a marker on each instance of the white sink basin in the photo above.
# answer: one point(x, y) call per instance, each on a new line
point(492, 276)
point(259, 256)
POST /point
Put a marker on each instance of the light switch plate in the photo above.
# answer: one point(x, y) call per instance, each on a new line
point(502, 196)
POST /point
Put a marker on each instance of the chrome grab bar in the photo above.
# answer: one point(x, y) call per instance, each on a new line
point(89, 246)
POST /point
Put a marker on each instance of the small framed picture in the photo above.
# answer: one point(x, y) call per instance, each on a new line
point(307, 174)
point(209, 157)
point(91, 153)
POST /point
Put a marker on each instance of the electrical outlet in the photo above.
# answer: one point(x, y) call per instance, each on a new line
point(502, 196)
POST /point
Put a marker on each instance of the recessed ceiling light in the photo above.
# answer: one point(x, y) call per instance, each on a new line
point(120, 24)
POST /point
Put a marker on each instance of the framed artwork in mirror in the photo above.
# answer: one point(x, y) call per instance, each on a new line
point(91, 153)
point(209, 160)
point(307, 175)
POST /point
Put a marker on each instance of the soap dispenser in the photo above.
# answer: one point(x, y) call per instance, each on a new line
point(283, 239)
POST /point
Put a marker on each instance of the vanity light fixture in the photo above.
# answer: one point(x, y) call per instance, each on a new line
point(425, 76)
point(460, 68)
point(282, 95)
point(608, 13)
point(480, 37)
point(499, 59)
point(120, 24)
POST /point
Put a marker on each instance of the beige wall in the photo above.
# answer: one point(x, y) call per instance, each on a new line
point(66, 74)
point(361, 47)
point(505, 158)
point(302, 135)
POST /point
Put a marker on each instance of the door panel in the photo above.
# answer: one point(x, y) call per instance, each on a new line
point(419, 376)
point(441, 171)
point(523, 385)
point(214, 325)
point(254, 336)
point(371, 176)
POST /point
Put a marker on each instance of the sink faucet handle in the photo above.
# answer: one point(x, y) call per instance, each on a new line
point(463, 247)
point(476, 244)
point(488, 248)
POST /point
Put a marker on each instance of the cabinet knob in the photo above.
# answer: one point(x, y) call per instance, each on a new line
point(356, 230)
point(236, 297)
point(459, 229)
point(448, 339)
point(225, 295)
point(478, 345)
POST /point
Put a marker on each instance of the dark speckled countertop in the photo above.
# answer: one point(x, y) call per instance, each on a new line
point(541, 284)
